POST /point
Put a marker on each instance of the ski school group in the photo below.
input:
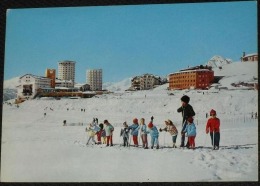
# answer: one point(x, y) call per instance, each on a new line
point(104, 132)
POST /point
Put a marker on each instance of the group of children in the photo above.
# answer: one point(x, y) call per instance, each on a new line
point(105, 132)
point(143, 130)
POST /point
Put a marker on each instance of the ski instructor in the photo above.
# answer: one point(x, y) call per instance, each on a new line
point(187, 111)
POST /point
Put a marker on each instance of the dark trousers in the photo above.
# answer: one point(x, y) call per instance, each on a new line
point(215, 141)
point(125, 141)
point(183, 136)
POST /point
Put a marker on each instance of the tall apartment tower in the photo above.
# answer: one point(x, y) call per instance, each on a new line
point(66, 70)
point(51, 73)
point(94, 79)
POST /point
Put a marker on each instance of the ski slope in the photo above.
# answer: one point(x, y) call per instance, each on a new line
point(40, 149)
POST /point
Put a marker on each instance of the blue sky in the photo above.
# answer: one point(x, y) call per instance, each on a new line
point(126, 41)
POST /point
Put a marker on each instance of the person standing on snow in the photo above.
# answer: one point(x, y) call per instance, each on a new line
point(109, 132)
point(171, 128)
point(91, 134)
point(154, 135)
point(187, 111)
point(125, 134)
point(212, 126)
point(135, 128)
point(143, 133)
point(191, 132)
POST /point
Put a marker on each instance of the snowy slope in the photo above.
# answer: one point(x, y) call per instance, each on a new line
point(237, 72)
point(50, 152)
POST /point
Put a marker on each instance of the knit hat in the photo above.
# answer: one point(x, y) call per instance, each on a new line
point(213, 112)
point(135, 121)
point(190, 119)
point(150, 125)
point(185, 99)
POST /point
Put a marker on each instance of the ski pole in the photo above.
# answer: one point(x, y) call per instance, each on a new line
point(164, 139)
point(213, 140)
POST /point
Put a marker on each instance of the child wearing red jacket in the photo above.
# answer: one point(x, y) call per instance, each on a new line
point(212, 126)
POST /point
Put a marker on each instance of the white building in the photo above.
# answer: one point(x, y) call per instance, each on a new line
point(64, 83)
point(94, 79)
point(66, 71)
point(145, 82)
point(30, 84)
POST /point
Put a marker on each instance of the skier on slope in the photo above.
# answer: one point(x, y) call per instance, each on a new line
point(125, 134)
point(191, 132)
point(212, 126)
point(91, 134)
point(143, 133)
point(154, 135)
point(135, 128)
point(187, 111)
point(109, 132)
point(171, 128)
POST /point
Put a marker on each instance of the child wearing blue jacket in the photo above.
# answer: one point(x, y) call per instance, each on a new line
point(191, 132)
point(135, 128)
point(154, 135)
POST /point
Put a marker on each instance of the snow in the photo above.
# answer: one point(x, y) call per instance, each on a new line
point(218, 61)
point(40, 149)
point(118, 86)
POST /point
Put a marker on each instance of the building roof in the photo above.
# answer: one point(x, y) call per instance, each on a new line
point(35, 76)
point(253, 54)
point(196, 70)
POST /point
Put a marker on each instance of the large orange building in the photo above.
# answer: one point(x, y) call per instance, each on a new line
point(193, 78)
point(51, 73)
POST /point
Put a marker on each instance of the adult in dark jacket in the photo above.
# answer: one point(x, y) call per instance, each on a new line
point(187, 111)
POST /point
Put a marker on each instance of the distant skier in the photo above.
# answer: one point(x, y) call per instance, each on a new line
point(154, 135)
point(125, 134)
point(213, 126)
point(109, 132)
point(134, 131)
point(171, 128)
point(187, 111)
point(256, 115)
point(191, 132)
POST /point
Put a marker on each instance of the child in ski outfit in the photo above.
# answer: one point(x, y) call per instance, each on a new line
point(125, 134)
point(171, 128)
point(135, 128)
point(191, 132)
point(91, 134)
point(103, 133)
point(99, 133)
point(109, 132)
point(154, 135)
point(143, 133)
point(212, 126)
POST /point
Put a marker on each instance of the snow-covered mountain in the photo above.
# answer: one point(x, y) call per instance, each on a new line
point(120, 86)
point(10, 91)
point(218, 61)
point(11, 83)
